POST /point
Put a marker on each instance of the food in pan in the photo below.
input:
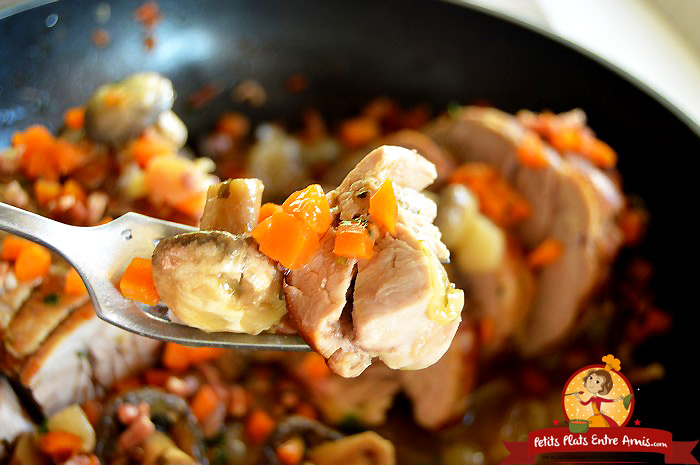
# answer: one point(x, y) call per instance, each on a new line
point(529, 206)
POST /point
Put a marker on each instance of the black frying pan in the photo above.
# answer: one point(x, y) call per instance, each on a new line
point(413, 50)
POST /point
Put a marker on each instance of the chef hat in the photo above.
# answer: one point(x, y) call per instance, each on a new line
point(611, 363)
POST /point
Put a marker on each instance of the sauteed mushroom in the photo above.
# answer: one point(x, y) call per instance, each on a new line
point(119, 111)
point(169, 413)
point(216, 281)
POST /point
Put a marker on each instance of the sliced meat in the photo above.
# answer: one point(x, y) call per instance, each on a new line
point(501, 299)
point(403, 309)
point(566, 206)
point(404, 167)
point(411, 139)
point(364, 399)
point(410, 173)
point(216, 281)
point(39, 315)
point(83, 358)
point(316, 297)
point(440, 393)
point(233, 206)
point(12, 295)
point(13, 419)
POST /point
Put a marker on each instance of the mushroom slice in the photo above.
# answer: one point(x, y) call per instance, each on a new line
point(233, 206)
point(215, 281)
point(121, 110)
point(170, 412)
point(366, 448)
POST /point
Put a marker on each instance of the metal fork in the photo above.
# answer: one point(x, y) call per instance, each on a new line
point(100, 254)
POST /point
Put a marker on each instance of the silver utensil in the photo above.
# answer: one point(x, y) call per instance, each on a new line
point(100, 255)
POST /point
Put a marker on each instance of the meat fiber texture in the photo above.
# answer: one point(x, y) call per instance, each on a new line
point(352, 311)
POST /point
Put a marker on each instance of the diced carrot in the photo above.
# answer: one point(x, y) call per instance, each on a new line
point(545, 253)
point(74, 118)
point(531, 151)
point(60, 445)
point(175, 357)
point(258, 426)
point(383, 207)
point(193, 205)
point(486, 326)
point(205, 402)
point(310, 206)
point(93, 411)
point(473, 175)
point(235, 125)
point(566, 138)
point(32, 262)
point(267, 209)
point(127, 384)
point(352, 241)
point(137, 282)
point(307, 410)
point(291, 451)
point(66, 156)
point(148, 14)
point(542, 123)
point(45, 191)
point(358, 132)
point(497, 199)
point(156, 377)
point(149, 146)
point(73, 188)
point(632, 224)
point(37, 144)
point(13, 245)
point(600, 153)
point(203, 354)
point(74, 284)
point(285, 238)
point(314, 366)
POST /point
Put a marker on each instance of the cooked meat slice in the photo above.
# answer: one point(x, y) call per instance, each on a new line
point(411, 139)
point(12, 296)
point(83, 358)
point(232, 206)
point(566, 206)
point(364, 399)
point(39, 315)
point(13, 419)
point(316, 297)
point(490, 264)
point(409, 173)
point(366, 448)
point(501, 299)
point(404, 167)
point(216, 281)
point(490, 136)
point(405, 310)
point(439, 393)
point(610, 201)
point(417, 212)
point(121, 110)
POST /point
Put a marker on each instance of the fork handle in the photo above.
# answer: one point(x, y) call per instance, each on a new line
point(37, 228)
